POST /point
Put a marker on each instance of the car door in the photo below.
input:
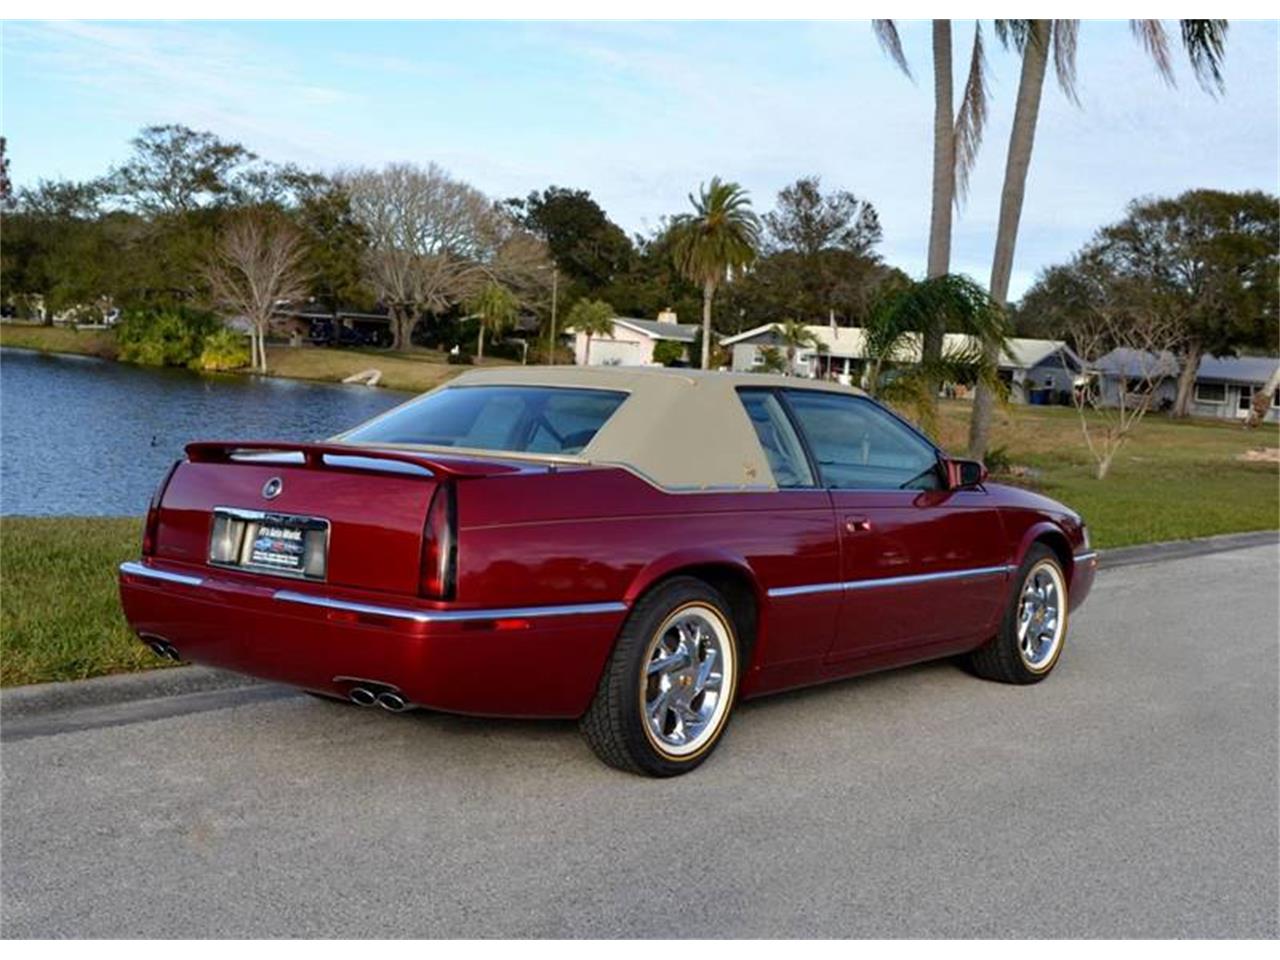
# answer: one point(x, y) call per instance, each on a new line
point(920, 564)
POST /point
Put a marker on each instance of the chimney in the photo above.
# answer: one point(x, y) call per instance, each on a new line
point(667, 316)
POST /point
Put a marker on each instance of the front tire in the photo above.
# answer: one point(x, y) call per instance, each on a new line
point(1034, 628)
point(666, 694)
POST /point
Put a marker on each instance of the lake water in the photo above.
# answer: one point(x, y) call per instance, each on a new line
point(82, 436)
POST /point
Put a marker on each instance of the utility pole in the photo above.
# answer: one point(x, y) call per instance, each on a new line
point(555, 275)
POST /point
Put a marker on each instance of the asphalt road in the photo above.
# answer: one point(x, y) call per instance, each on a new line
point(1133, 794)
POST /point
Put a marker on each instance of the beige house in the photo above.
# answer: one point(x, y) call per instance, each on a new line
point(630, 343)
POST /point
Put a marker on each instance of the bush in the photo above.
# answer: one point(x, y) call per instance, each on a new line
point(668, 352)
point(164, 338)
point(460, 359)
point(224, 349)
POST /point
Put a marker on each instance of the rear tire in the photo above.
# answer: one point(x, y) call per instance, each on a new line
point(667, 692)
point(1034, 628)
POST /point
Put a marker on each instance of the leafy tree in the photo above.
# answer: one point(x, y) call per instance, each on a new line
point(721, 235)
point(1035, 41)
point(496, 308)
point(591, 318)
point(6, 185)
point(590, 250)
point(175, 170)
point(336, 246)
point(808, 221)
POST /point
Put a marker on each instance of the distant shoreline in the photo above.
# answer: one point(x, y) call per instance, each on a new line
point(405, 371)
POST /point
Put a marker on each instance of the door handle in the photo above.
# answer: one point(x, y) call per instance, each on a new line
point(857, 523)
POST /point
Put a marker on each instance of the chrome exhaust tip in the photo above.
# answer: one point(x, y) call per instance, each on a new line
point(393, 702)
point(363, 696)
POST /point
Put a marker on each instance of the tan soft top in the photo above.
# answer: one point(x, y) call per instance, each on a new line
point(680, 429)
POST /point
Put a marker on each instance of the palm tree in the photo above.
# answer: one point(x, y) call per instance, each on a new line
point(721, 235)
point(496, 307)
point(794, 335)
point(895, 330)
point(1035, 40)
point(955, 148)
point(590, 317)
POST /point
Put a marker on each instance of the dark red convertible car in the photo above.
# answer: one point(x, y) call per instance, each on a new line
point(635, 548)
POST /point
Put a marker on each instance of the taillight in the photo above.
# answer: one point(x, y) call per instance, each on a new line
point(439, 546)
point(152, 528)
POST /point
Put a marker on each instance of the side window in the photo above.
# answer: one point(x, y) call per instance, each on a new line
point(858, 446)
point(777, 438)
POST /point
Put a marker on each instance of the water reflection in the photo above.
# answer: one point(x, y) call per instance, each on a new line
point(84, 436)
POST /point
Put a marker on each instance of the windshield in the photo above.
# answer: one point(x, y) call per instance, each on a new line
point(554, 420)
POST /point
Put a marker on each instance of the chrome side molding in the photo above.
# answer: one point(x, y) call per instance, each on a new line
point(135, 569)
point(447, 616)
point(848, 585)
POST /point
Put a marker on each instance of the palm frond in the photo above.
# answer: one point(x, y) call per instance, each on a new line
point(1065, 34)
point(1151, 35)
point(972, 118)
point(886, 32)
point(1013, 34)
point(1205, 42)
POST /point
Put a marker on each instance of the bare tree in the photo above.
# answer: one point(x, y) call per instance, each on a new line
point(256, 265)
point(1142, 340)
point(434, 241)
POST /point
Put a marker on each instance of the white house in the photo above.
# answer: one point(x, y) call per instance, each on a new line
point(630, 343)
point(1034, 369)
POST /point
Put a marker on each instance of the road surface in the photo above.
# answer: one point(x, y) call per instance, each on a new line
point(1132, 794)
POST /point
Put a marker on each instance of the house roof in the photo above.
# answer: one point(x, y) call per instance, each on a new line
point(659, 329)
point(1254, 370)
point(1127, 362)
point(1021, 353)
point(1123, 361)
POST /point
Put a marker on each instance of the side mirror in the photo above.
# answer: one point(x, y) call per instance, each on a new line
point(963, 474)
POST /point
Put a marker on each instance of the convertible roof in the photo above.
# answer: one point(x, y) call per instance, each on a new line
point(681, 429)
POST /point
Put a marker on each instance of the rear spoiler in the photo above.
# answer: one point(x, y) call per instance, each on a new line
point(321, 456)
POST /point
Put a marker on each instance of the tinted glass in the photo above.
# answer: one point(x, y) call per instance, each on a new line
point(777, 438)
point(859, 446)
point(519, 419)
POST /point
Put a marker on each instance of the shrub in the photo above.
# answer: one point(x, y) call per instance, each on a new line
point(164, 338)
point(460, 358)
point(224, 349)
point(668, 352)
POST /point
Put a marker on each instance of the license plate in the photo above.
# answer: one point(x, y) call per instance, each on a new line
point(277, 543)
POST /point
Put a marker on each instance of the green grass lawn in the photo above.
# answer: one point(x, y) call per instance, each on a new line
point(1173, 480)
point(60, 614)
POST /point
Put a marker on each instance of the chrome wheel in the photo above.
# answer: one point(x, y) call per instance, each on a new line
point(689, 677)
point(1042, 616)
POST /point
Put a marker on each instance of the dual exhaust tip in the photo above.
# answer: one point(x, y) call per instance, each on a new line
point(386, 699)
point(163, 648)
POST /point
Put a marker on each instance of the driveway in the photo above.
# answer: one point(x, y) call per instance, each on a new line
point(1132, 794)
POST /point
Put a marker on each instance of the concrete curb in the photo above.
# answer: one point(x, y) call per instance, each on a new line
point(1181, 549)
point(41, 698)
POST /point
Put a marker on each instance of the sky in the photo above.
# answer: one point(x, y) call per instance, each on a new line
point(640, 113)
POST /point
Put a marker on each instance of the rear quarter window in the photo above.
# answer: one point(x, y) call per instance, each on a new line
point(551, 420)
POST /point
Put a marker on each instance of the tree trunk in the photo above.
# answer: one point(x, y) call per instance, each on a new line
point(397, 328)
point(1187, 379)
point(586, 352)
point(1035, 59)
point(708, 292)
point(1262, 400)
point(480, 342)
point(253, 349)
point(944, 186)
point(262, 350)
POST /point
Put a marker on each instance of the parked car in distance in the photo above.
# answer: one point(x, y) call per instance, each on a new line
point(635, 548)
